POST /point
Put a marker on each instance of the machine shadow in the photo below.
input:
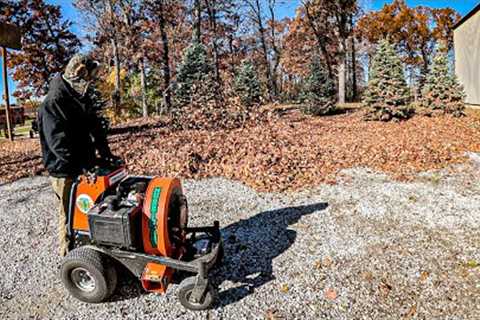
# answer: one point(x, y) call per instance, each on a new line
point(250, 247)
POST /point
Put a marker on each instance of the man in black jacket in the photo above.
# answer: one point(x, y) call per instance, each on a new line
point(71, 132)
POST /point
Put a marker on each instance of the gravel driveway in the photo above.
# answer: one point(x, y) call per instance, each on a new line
point(366, 248)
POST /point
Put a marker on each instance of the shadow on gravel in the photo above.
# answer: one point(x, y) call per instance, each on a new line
point(128, 287)
point(252, 244)
point(250, 247)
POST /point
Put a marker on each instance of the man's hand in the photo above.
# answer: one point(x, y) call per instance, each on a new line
point(113, 160)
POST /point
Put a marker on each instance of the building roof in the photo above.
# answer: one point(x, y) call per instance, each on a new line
point(467, 16)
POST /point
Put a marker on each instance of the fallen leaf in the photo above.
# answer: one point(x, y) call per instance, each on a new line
point(284, 288)
point(472, 264)
point(411, 312)
point(273, 315)
point(424, 276)
point(384, 287)
point(367, 276)
point(330, 294)
point(327, 262)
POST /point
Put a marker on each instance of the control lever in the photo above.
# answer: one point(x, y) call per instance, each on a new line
point(115, 201)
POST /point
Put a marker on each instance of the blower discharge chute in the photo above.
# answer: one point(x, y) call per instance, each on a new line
point(141, 223)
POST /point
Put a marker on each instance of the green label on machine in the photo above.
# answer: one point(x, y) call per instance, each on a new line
point(152, 225)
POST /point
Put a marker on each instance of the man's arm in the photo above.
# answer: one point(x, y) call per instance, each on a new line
point(99, 134)
point(99, 130)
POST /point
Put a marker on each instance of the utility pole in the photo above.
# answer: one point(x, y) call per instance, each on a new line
point(10, 37)
point(6, 95)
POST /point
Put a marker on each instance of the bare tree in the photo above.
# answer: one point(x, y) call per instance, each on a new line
point(256, 16)
point(156, 10)
point(275, 48)
point(211, 6)
point(321, 28)
point(324, 17)
point(103, 23)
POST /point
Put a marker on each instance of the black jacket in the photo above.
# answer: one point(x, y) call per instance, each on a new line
point(70, 131)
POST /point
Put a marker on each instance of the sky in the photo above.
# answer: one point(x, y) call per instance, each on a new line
point(286, 10)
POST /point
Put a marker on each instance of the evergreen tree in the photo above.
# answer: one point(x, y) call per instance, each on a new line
point(319, 93)
point(195, 77)
point(387, 95)
point(442, 90)
point(247, 85)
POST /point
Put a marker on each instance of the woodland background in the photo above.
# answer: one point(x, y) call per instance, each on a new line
point(142, 45)
point(200, 88)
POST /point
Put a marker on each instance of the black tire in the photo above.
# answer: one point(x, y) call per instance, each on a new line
point(185, 290)
point(87, 275)
point(112, 277)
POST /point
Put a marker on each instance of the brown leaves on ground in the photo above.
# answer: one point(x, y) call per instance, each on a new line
point(279, 153)
point(19, 159)
point(294, 151)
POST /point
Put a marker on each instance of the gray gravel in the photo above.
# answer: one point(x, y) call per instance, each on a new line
point(367, 248)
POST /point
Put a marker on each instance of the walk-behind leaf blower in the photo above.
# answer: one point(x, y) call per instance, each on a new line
point(141, 223)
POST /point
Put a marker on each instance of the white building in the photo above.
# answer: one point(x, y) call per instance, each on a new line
point(467, 54)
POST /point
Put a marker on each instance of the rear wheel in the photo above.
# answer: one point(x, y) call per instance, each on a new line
point(88, 275)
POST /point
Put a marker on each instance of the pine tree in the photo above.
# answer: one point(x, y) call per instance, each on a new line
point(195, 77)
point(319, 93)
point(387, 95)
point(442, 90)
point(247, 85)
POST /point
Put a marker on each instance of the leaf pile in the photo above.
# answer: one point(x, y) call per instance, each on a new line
point(279, 153)
point(211, 117)
point(294, 151)
point(19, 159)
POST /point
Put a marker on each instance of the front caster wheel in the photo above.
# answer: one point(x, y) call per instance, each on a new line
point(185, 291)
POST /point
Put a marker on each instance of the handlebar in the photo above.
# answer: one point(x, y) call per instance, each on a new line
point(103, 167)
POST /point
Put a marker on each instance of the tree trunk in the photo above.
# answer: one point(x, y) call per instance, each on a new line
point(321, 41)
point(341, 73)
point(143, 85)
point(276, 51)
point(354, 63)
point(117, 98)
point(232, 55)
point(197, 29)
point(167, 100)
point(261, 30)
point(354, 71)
point(212, 16)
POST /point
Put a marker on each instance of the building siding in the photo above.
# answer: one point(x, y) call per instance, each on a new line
point(467, 57)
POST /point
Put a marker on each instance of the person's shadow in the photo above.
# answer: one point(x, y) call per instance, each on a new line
point(250, 247)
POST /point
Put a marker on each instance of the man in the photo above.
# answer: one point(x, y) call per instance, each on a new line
point(70, 133)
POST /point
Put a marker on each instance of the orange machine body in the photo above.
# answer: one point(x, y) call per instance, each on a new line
point(87, 193)
point(154, 220)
